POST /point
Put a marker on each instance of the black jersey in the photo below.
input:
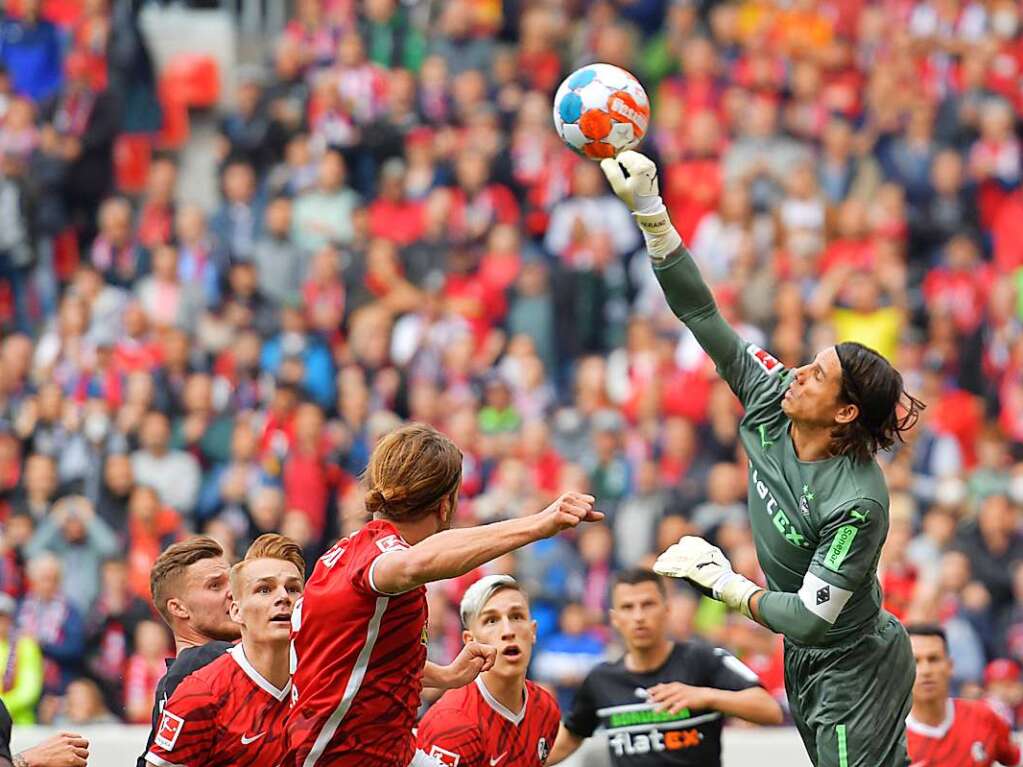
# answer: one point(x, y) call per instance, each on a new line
point(187, 661)
point(5, 734)
point(614, 699)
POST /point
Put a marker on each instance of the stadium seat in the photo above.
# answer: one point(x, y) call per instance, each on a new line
point(194, 79)
point(132, 156)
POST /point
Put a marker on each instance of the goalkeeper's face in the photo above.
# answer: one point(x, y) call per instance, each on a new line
point(639, 612)
point(813, 397)
point(505, 624)
point(933, 668)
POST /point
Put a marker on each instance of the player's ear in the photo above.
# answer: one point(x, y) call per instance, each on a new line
point(532, 628)
point(467, 637)
point(177, 609)
point(847, 414)
point(236, 612)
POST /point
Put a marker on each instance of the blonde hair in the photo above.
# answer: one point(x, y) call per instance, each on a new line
point(410, 472)
point(172, 563)
point(269, 546)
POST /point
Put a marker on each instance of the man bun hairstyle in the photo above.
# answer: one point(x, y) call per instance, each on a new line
point(886, 410)
point(410, 472)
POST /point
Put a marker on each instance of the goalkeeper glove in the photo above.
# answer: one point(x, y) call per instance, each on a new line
point(633, 177)
point(709, 570)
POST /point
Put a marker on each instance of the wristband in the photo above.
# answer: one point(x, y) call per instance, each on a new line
point(661, 237)
point(736, 591)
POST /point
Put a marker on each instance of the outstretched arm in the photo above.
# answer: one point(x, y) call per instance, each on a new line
point(744, 366)
point(456, 552)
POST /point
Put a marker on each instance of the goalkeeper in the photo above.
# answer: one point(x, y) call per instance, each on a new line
point(818, 508)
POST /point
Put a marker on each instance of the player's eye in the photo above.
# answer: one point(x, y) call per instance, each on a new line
point(294, 590)
point(263, 590)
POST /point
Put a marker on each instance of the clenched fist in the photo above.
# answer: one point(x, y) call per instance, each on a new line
point(568, 511)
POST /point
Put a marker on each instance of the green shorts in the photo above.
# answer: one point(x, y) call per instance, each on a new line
point(850, 701)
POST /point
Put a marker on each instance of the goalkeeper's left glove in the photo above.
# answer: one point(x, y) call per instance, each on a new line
point(709, 570)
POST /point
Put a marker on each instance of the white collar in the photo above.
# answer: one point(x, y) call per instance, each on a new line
point(238, 653)
point(929, 731)
point(499, 707)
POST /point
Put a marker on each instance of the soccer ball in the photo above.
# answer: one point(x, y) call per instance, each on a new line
point(601, 110)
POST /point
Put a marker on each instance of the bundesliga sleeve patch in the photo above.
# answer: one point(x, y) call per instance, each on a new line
point(445, 757)
point(170, 728)
point(766, 360)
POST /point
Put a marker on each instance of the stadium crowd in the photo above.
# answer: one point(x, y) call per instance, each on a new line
point(401, 235)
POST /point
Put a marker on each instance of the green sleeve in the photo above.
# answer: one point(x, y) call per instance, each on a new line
point(845, 557)
point(751, 372)
point(850, 544)
point(21, 699)
point(786, 614)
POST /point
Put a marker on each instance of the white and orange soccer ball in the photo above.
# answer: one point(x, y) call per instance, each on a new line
point(601, 110)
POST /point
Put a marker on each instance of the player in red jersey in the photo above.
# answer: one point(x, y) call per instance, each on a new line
point(232, 711)
point(503, 719)
point(359, 632)
point(947, 732)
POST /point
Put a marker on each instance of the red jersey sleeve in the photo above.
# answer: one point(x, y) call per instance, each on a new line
point(363, 550)
point(451, 738)
point(187, 727)
point(1006, 753)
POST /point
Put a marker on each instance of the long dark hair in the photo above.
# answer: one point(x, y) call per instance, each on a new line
point(887, 411)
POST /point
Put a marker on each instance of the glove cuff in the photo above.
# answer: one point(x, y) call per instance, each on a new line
point(661, 238)
point(736, 591)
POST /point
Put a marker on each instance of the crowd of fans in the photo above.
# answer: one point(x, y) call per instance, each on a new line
point(401, 235)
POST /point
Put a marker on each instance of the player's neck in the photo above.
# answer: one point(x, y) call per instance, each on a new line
point(414, 532)
point(186, 637)
point(643, 660)
point(931, 712)
point(270, 659)
point(811, 443)
point(509, 691)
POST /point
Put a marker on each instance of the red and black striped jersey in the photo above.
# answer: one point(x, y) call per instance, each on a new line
point(358, 657)
point(469, 728)
point(225, 713)
point(972, 735)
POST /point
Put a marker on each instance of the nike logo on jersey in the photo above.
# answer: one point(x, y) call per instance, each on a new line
point(497, 759)
point(246, 740)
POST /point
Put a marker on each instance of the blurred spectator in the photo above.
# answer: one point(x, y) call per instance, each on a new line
point(174, 474)
point(30, 48)
point(323, 215)
point(23, 666)
point(110, 632)
point(56, 624)
point(83, 705)
point(81, 541)
point(144, 670)
point(565, 657)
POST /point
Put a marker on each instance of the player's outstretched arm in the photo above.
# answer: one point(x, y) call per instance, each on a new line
point(633, 177)
point(456, 552)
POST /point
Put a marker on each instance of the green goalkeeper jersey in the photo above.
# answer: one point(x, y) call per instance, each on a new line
point(818, 526)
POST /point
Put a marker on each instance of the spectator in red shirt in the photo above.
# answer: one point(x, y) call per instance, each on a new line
point(144, 670)
point(393, 216)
